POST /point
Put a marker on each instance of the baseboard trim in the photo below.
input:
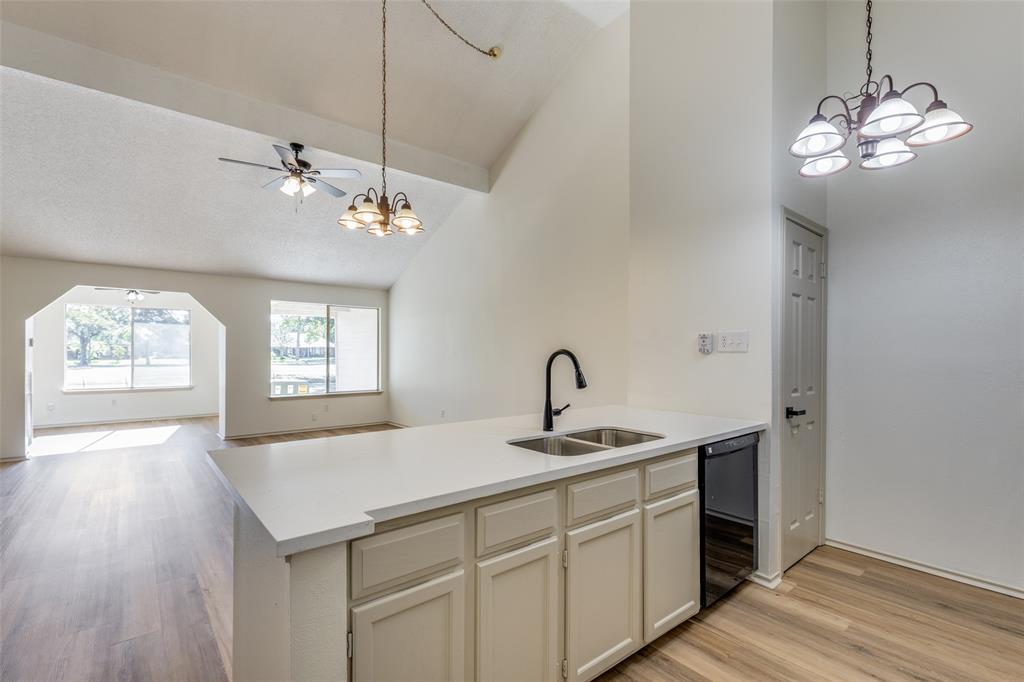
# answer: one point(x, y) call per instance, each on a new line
point(771, 582)
point(307, 429)
point(134, 420)
point(927, 568)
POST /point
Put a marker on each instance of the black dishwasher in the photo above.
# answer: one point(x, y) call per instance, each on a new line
point(728, 514)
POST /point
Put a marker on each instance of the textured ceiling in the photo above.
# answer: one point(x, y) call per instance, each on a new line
point(91, 177)
point(323, 58)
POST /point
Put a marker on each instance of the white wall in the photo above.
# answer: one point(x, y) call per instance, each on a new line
point(798, 81)
point(241, 304)
point(52, 406)
point(703, 212)
point(700, 138)
point(926, 309)
point(537, 264)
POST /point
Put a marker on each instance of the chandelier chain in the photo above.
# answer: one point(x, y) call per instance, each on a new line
point(493, 52)
point(868, 39)
point(384, 96)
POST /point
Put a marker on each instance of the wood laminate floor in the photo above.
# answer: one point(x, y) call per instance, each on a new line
point(842, 616)
point(116, 565)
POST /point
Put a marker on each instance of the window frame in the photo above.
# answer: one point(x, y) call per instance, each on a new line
point(327, 355)
point(131, 388)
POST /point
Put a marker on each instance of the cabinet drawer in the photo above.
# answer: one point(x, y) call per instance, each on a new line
point(398, 556)
point(596, 497)
point(671, 475)
point(517, 521)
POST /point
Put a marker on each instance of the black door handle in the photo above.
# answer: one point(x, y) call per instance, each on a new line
point(790, 413)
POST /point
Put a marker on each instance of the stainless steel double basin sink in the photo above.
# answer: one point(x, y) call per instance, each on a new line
point(585, 442)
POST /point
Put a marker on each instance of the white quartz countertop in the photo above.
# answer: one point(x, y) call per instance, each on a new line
point(312, 493)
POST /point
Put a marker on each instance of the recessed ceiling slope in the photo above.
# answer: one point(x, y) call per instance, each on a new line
point(88, 176)
point(322, 58)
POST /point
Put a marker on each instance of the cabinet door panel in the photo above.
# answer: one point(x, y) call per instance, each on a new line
point(671, 563)
point(517, 614)
point(416, 634)
point(603, 594)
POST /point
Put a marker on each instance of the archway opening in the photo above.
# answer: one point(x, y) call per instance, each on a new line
point(109, 368)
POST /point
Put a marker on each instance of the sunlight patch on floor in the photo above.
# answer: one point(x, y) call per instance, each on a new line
point(94, 441)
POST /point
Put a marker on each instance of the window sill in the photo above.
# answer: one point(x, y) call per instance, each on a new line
point(150, 389)
point(336, 394)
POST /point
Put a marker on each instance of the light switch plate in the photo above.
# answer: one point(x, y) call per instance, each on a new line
point(734, 342)
point(705, 343)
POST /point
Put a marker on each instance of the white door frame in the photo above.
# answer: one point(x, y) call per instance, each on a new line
point(780, 398)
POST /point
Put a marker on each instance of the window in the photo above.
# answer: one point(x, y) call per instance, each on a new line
point(119, 347)
point(318, 349)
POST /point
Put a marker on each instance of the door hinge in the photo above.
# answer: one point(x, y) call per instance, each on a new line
point(348, 645)
point(565, 558)
point(824, 274)
point(821, 496)
point(565, 669)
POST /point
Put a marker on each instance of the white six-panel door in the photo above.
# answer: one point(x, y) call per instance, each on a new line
point(802, 373)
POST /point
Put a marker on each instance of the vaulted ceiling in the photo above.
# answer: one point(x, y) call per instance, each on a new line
point(124, 169)
point(92, 177)
point(323, 57)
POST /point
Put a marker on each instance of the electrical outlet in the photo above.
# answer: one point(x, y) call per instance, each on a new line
point(314, 416)
point(443, 412)
point(705, 343)
point(734, 342)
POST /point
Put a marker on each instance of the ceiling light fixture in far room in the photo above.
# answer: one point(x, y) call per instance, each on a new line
point(879, 122)
point(132, 296)
point(378, 213)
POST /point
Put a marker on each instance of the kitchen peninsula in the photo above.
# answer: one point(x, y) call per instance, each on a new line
point(449, 551)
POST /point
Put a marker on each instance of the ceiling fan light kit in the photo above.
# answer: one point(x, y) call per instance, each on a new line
point(300, 179)
point(879, 124)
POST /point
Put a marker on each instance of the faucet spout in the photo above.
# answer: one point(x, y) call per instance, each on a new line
point(581, 383)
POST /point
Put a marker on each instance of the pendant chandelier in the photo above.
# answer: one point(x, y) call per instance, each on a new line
point(888, 128)
point(377, 212)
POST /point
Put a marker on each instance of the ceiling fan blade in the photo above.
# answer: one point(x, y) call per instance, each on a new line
point(325, 186)
point(248, 163)
point(147, 291)
point(287, 156)
point(276, 183)
point(109, 289)
point(347, 173)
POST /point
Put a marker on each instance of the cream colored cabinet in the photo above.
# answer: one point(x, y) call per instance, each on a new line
point(413, 634)
point(671, 562)
point(517, 614)
point(603, 594)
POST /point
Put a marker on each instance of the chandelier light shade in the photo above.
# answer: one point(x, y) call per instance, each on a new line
point(407, 221)
point(377, 211)
point(348, 219)
point(940, 124)
point(368, 213)
point(818, 138)
point(886, 125)
point(890, 152)
point(828, 164)
point(894, 116)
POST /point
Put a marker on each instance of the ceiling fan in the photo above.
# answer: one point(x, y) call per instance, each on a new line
point(130, 295)
point(299, 175)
